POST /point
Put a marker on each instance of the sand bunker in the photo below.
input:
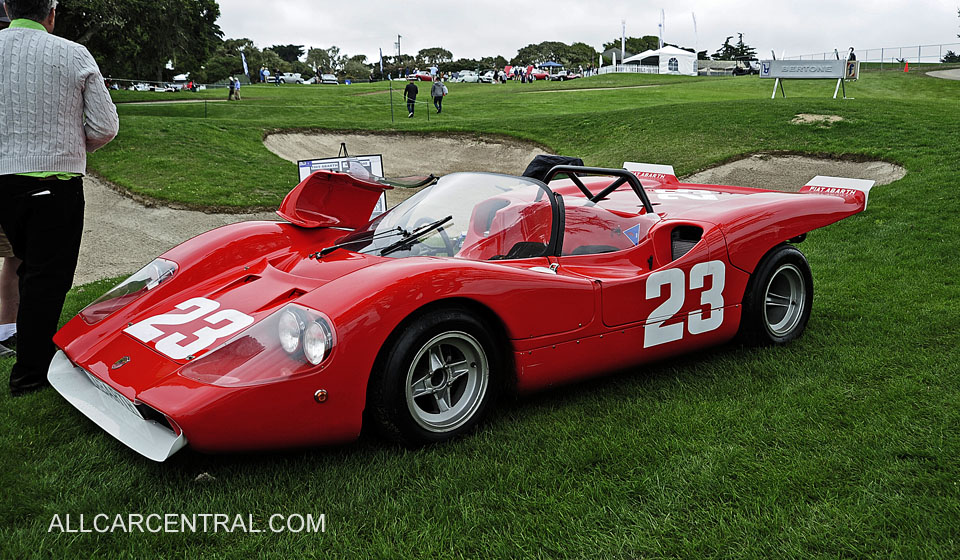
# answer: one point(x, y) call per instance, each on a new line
point(809, 118)
point(412, 154)
point(790, 172)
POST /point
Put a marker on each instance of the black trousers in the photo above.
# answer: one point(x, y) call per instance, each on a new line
point(438, 103)
point(43, 219)
point(410, 105)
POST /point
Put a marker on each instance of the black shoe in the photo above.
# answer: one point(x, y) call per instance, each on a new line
point(22, 389)
point(10, 342)
point(8, 347)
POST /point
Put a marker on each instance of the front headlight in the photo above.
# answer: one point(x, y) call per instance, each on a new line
point(317, 340)
point(303, 330)
point(289, 343)
point(144, 280)
point(289, 329)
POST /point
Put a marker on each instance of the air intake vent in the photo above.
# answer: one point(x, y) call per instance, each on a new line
point(682, 239)
point(282, 298)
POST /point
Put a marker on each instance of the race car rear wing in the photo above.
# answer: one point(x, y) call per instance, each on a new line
point(857, 190)
point(655, 171)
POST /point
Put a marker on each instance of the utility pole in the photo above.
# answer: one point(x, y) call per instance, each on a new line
point(623, 38)
point(398, 47)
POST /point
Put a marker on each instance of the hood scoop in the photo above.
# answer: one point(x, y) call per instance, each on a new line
point(289, 295)
point(236, 284)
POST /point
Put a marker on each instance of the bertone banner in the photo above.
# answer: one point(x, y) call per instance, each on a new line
point(803, 69)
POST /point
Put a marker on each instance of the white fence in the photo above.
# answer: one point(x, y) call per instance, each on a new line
point(914, 53)
point(628, 68)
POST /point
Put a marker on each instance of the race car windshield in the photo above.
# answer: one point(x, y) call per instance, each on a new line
point(478, 216)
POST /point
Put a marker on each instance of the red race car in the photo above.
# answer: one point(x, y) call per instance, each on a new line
point(420, 77)
point(268, 335)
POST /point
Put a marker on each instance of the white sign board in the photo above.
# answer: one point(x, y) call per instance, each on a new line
point(372, 163)
point(802, 69)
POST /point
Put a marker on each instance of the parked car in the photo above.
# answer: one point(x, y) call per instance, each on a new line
point(468, 76)
point(290, 78)
point(420, 77)
point(563, 75)
point(323, 79)
point(265, 335)
point(487, 77)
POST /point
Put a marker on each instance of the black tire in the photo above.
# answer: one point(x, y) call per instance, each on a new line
point(409, 367)
point(778, 300)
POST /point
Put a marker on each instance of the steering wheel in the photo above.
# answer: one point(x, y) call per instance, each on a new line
point(448, 244)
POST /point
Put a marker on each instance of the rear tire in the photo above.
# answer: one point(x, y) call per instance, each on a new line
point(437, 380)
point(778, 299)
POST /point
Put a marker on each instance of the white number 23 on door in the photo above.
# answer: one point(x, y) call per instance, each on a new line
point(655, 332)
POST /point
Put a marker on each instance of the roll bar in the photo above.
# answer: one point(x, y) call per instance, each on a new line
point(622, 175)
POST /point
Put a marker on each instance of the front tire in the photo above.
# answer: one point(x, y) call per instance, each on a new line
point(437, 380)
point(778, 300)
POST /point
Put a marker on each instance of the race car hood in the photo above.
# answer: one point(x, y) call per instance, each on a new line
point(327, 199)
point(150, 339)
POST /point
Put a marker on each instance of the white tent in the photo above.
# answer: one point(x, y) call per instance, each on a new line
point(638, 58)
point(672, 60)
point(677, 61)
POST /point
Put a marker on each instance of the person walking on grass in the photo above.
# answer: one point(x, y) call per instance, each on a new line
point(47, 132)
point(410, 94)
point(236, 89)
point(437, 92)
point(231, 90)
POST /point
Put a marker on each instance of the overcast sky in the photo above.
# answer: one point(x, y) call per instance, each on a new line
point(491, 27)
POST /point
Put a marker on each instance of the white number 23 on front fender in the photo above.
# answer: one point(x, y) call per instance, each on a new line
point(655, 332)
point(224, 323)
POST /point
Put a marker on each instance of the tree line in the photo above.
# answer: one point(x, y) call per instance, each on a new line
point(157, 39)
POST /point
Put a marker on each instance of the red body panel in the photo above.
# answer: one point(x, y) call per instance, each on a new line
point(567, 317)
point(326, 199)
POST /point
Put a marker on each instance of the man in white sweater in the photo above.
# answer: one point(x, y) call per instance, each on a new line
point(55, 108)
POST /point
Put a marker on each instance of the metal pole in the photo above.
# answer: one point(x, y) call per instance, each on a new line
point(204, 108)
point(881, 59)
point(391, 99)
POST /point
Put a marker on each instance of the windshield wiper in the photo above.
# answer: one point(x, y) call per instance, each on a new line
point(413, 236)
point(327, 250)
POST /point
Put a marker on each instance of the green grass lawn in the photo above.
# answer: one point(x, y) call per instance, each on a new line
point(845, 443)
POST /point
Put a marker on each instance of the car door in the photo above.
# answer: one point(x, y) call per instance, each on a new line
point(667, 292)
